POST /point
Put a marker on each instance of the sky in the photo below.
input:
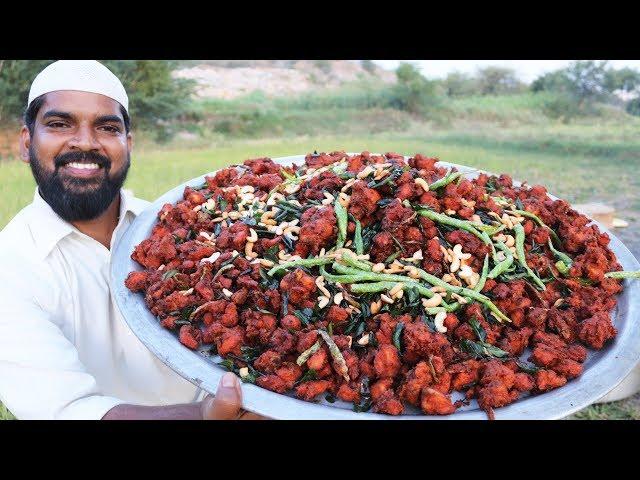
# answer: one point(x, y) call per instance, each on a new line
point(527, 70)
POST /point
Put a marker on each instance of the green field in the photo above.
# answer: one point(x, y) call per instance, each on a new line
point(573, 163)
point(591, 159)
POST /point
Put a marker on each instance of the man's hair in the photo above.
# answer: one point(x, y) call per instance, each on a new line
point(32, 110)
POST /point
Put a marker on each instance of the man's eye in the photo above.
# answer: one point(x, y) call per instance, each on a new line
point(111, 128)
point(56, 125)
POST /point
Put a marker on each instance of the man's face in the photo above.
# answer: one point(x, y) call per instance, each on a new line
point(78, 153)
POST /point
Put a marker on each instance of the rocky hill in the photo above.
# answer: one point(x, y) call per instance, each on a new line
point(233, 78)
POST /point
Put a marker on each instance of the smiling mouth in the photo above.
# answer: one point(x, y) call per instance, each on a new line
point(83, 166)
point(82, 169)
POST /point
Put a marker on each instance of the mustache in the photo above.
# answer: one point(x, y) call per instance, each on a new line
point(82, 157)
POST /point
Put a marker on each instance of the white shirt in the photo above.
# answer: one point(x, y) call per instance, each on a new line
point(65, 350)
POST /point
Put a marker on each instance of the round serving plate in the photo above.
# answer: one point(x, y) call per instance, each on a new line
point(603, 370)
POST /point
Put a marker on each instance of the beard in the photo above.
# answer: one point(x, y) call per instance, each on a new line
point(73, 198)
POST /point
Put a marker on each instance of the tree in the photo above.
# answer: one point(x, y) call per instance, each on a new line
point(552, 81)
point(498, 81)
point(625, 79)
point(458, 84)
point(582, 84)
point(15, 81)
point(413, 92)
point(633, 107)
point(155, 97)
point(587, 81)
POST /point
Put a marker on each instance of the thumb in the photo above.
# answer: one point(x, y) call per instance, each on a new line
point(227, 402)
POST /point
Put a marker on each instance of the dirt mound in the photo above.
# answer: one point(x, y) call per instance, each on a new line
point(233, 78)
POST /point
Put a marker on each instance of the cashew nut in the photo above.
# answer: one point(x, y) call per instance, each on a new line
point(433, 301)
point(439, 322)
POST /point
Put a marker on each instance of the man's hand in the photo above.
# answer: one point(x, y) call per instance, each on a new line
point(227, 403)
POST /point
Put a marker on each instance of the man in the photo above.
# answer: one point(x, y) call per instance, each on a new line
point(65, 350)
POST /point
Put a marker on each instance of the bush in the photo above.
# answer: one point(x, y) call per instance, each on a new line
point(15, 81)
point(562, 106)
point(457, 84)
point(633, 107)
point(358, 95)
point(414, 93)
point(625, 79)
point(155, 97)
point(584, 84)
point(498, 81)
point(549, 82)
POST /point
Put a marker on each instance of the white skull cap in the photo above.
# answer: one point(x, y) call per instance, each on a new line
point(81, 75)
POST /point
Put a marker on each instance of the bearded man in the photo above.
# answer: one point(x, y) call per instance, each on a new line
point(65, 350)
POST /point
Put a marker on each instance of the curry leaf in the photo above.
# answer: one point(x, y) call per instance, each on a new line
point(365, 403)
point(397, 336)
point(481, 349)
point(480, 332)
point(305, 315)
point(527, 367)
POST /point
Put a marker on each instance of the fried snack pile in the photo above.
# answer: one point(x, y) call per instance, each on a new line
point(381, 282)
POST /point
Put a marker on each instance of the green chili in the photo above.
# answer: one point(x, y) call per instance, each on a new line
point(352, 275)
point(287, 175)
point(355, 263)
point(519, 229)
point(454, 222)
point(483, 278)
point(486, 239)
point(224, 268)
point(491, 230)
point(304, 356)
point(357, 239)
point(342, 218)
point(305, 262)
point(340, 363)
point(383, 286)
point(559, 255)
point(393, 256)
point(341, 278)
point(532, 216)
point(562, 267)
point(362, 276)
point(446, 180)
point(371, 287)
point(623, 274)
point(503, 266)
point(536, 219)
point(452, 307)
point(433, 280)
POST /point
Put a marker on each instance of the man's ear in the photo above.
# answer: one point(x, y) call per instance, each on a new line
point(25, 143)
point(129, 142)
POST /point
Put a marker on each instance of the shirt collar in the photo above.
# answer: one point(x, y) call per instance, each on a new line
point(48, 228)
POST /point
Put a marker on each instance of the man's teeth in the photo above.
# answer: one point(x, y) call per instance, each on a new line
point(85, 166)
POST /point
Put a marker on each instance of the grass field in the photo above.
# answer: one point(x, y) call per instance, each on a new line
point(595, 159)
point(576, 167)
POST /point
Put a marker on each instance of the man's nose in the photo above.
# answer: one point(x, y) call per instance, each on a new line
point(84, 139)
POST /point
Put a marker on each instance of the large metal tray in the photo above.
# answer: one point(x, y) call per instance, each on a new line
point(603, 369)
